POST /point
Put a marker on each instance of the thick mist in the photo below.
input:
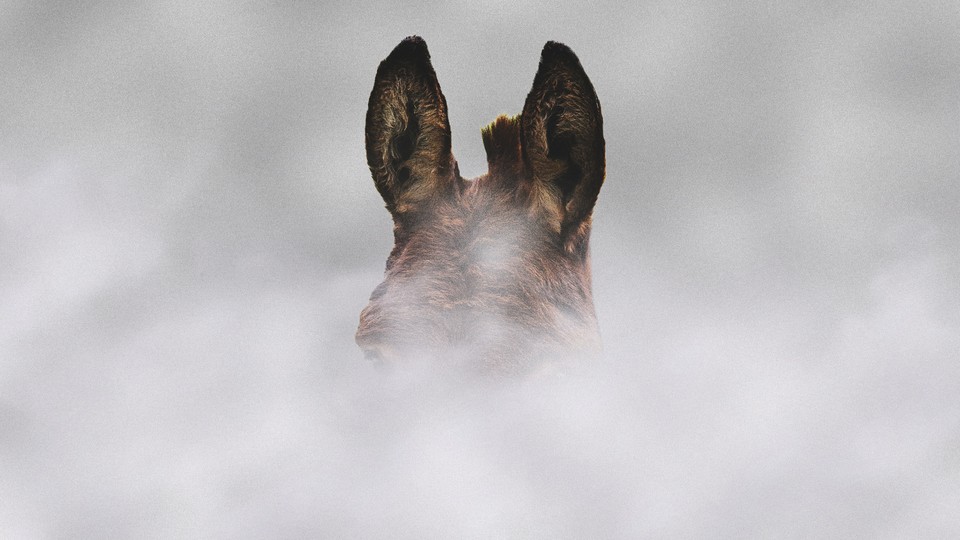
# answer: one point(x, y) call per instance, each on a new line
point(188, 232)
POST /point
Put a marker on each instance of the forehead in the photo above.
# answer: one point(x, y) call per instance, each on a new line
point(481, 218)
point(480, 255)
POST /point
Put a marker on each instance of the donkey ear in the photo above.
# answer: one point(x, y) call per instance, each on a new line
point(407, 132)
point(562, 140)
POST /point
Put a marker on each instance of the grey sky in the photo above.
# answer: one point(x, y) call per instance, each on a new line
point(188, 232)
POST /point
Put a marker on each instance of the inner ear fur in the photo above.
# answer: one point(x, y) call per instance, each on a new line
point(408, 131)
point(562, 142)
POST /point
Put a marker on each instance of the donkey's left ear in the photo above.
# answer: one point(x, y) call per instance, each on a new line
point(562, 139)
point(407, 131)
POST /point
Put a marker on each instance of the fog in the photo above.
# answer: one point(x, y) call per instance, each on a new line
point(188, 232)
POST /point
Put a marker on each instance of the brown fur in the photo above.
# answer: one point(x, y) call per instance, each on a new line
point(492, 271)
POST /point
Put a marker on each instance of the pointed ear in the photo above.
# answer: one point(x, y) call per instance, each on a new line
point(562, 141)
point(407, 132)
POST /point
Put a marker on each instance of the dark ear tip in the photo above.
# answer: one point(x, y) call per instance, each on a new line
point(555, 51)
point(411, 49)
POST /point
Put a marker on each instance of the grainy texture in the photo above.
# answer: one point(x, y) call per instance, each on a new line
point(188, 232)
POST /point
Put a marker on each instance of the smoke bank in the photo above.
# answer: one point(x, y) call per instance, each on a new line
point(188, 233)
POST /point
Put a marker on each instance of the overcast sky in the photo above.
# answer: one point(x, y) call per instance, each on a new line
point(188, 231)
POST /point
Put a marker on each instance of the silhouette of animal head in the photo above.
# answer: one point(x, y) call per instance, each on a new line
point(492, 273)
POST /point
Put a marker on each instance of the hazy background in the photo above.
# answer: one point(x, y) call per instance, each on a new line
point(188, 232)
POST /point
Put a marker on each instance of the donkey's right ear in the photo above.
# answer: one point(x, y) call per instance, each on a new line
point(408, 132)
point(562, 141)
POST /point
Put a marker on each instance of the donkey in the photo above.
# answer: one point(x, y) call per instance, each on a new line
point(490, 273)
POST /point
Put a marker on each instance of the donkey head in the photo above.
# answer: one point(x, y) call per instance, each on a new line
point(492, 272)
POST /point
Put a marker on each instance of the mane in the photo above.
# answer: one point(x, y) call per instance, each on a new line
point(501, 140)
